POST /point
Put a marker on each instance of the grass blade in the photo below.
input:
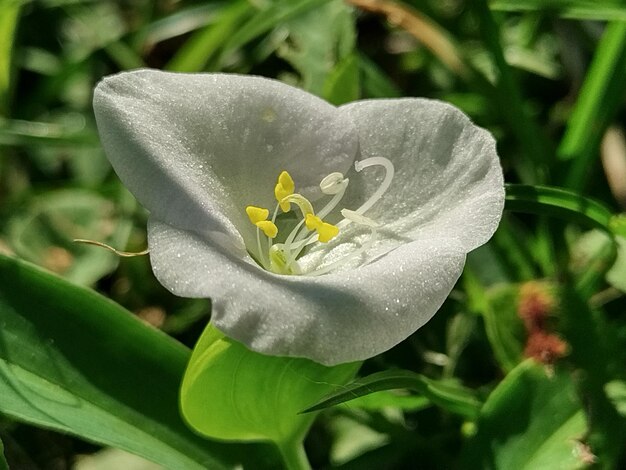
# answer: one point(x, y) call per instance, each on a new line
point(598, 102)
point(449, 396)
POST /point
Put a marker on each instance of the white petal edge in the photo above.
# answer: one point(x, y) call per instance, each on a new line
point(330, 319)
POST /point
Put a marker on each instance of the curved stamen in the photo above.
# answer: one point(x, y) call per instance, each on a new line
point(338, 196)
point(384, 185)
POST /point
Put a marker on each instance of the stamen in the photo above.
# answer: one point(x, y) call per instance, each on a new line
point(333, 183)
point(281, 258)
point(338, 196)
point(268, 227)
point(384, 185)
point(299, 200)
point(257, 214)
point(285, 187)
point(325, 231)
point(359, 219)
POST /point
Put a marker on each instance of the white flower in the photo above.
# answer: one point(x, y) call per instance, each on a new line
point(390, 196)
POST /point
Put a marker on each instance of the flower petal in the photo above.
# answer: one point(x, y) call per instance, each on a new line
point(335, 318)
point(196, 149)
point(448, 181)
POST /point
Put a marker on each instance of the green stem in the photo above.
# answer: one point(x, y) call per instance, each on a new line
point(294, 455)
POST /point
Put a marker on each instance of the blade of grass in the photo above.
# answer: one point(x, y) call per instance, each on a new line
point(9, 15)
point(204, 45)
point(546, 200)
point(600, 98)
point(570, 9)
point(267, 19)
point(447, 395)
point(511, 104)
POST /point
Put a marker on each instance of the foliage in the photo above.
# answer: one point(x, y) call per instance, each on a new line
point(523, 366)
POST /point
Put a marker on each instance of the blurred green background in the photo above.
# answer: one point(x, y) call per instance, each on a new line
point(546, 77)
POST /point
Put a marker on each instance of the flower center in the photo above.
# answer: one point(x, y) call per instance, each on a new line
point(281, 258)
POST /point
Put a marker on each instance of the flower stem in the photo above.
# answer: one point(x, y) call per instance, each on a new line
point(294, 455)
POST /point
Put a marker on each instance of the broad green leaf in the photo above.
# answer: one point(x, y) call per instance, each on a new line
point(607, 10)
point(562, 203)
point(504, 327)
point(447, 395)
point(231, 392)
point(533, 420)
point(73, 361)
point(9, 15)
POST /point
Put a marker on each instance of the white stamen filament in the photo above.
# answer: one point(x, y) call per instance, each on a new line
point(262, 258)
point(384, 185)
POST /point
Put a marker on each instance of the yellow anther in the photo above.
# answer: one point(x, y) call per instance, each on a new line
point(285, 180)
point(268, 228)
point(312, 221)
point(326, 232)
point(257, 214)
point(285, 187)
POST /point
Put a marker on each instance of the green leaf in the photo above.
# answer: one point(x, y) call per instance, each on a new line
point(9, 16)
point(598, 102)
point(376, 83)
point(73, 361)
point(43, 228)
point(318, 40)
point(342, 85)
point(597, 356)
point(607, 10)
point(616, 391)
point(532, 420)
point(557, 202)
point(231, 392)
point(3, 462)
point(390, 399)
point(447, 395)
point(509, 99)
point(596, 257)
point(276, 13)
point(505, 329)
point(203, 46)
